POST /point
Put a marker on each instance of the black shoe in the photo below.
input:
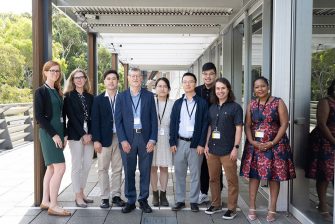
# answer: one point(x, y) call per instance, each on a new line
point(118, 201)
point(145, 206)
point(211, 210)
point(229, 214)
point(104, 203)
point(178, 206)
point(128, 208)
point(194, 207)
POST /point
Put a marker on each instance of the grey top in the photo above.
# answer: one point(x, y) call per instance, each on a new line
point(224, 119)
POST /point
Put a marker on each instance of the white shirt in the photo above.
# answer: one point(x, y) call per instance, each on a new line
point(185, 121)
point(113, 109)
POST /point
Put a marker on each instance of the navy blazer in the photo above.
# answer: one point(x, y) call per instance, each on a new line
point(200, 126)
point(75, 114)
point(102, 120)
point(124, 118)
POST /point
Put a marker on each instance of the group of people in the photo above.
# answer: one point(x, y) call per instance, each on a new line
point(201, 131)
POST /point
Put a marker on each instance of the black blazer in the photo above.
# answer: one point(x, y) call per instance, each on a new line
point(75, 114)
point(43, 110)
point(102, 120)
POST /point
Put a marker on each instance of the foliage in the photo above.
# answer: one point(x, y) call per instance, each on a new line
point(323, 72)
point(13, 94)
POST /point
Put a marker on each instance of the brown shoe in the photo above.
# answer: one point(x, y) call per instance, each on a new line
point(63, 213)
point(44, 207)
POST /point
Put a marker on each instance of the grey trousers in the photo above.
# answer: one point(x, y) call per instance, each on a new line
point(187, 157)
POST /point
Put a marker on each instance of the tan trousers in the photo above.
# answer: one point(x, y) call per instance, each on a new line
point(81, 157)
point(110, 157)
point(215, 164)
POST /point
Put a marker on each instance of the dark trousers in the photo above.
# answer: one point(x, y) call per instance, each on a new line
point(204, 178)
point(138, 148)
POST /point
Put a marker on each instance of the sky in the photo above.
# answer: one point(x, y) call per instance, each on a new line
point(15, 6)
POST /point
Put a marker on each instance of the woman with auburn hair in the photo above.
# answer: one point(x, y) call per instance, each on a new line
point(77, 107)
point(48, 109)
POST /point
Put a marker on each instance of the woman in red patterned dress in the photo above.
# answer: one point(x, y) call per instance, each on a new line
point(321, 154)
point(267, 154)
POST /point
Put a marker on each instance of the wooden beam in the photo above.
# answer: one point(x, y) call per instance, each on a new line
point(41, 26)
point(115, 62)
point(125, 78)
point(92, 61)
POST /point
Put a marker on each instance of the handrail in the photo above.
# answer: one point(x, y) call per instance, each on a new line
point(15, 124)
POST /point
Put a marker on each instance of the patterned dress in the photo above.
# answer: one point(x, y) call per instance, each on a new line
point(321, 153)
point(275, 163)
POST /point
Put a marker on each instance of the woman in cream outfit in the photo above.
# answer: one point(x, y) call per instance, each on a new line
point(162, 157)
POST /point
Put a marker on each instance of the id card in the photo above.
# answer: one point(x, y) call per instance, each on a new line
point(190, 128)
point(216, 135)
point(61, 120)
point(259, 134)
point(85, 126)
point(161, 131)
point(137, 120)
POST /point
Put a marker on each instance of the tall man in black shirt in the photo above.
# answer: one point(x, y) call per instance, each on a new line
point(205, 91)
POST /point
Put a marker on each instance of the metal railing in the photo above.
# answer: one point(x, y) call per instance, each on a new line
point(16, 125)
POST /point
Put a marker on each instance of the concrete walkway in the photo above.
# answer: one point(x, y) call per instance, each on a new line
point(16, 199)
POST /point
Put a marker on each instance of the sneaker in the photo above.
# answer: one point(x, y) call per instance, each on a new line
point(211, 210)
point(203, 198)
point(229, 214)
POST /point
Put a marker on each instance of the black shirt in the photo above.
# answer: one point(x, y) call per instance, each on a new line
point(224, 119)
point(205, 93)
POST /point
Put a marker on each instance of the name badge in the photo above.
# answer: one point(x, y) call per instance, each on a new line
point(190, 128)
point(216, 135)
point(259, 134)
point(137, 120)
point(61, 120)
point(85, 126)
point(161, 131)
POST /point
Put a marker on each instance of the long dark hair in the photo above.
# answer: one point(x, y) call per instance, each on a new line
point(331, 89)
point(167, 82)
point(231, 96)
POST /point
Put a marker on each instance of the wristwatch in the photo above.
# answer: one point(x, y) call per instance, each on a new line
point(237, 146)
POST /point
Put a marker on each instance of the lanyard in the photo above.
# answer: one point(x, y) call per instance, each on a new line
point(188, 112)
point(159, 116)
point(138, 103)
point(260, 112)
point(112, 102)
point(57, 96)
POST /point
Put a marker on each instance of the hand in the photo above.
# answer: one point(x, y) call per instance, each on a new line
point(150, 147)
point(206, 151)
point(173, 149)
point(58, 141)
point(200, 150)
point(125, 146)
point(97, 147)
point(86, 139)
point(233, 154)
point(265, 146)
point(65, 141)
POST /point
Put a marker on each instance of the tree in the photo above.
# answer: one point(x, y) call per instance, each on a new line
point(323, 72)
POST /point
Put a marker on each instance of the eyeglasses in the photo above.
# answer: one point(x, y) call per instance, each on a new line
point(135, 76)
point(54, 71)
point(162, 86)
point(189, 82)
point(79, 77)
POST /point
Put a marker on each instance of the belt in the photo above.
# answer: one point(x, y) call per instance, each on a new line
point(185, 139)
point(138, 130)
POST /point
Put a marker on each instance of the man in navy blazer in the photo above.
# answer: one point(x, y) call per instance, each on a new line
point(136, 127)
point(105, 141)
